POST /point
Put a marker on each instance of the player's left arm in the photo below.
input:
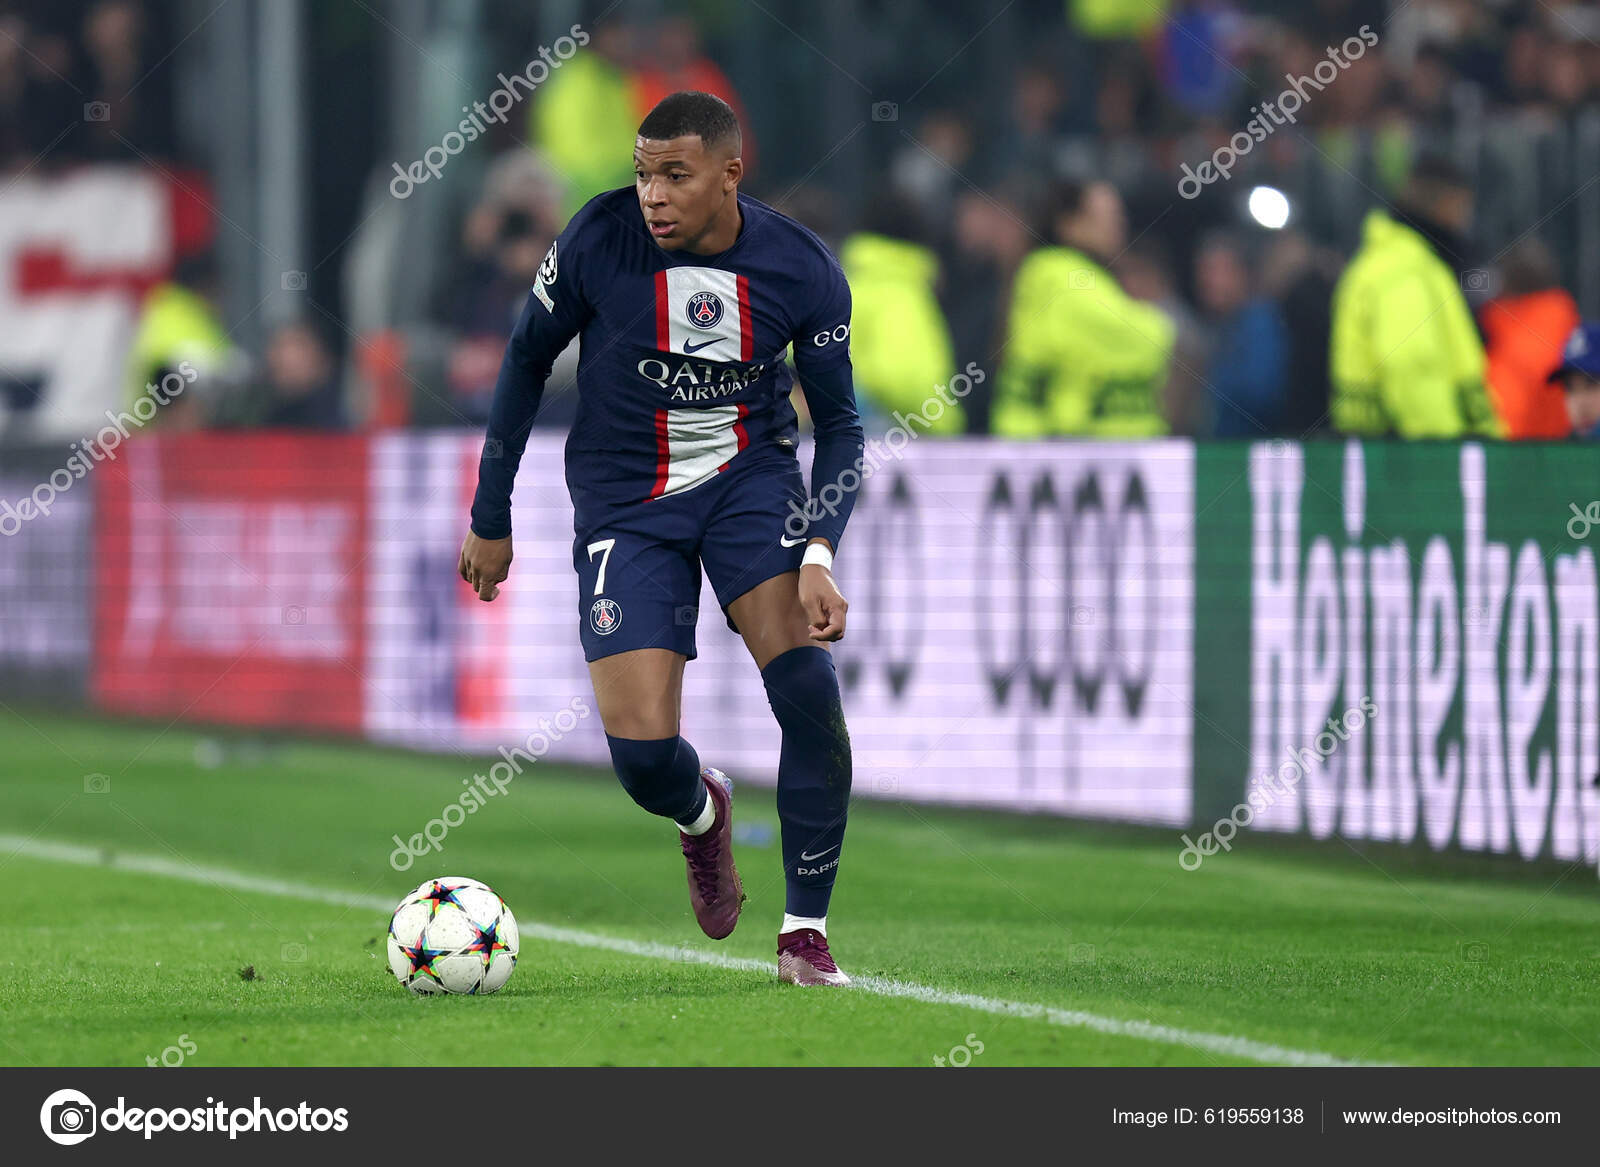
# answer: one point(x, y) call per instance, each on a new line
point(822, 362)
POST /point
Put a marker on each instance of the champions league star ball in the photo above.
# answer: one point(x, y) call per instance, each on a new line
point(452, 935)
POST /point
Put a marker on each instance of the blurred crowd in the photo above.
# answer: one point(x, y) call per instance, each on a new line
point(1332, 273)
point(1044, 240)
point(81, 83)
point(78, 83)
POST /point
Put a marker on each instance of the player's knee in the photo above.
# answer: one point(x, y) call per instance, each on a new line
point(646, 770)
point(803, 689)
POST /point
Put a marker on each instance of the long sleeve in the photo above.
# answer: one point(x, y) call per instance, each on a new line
point(822, 361)
point(556, 311)
point(838, 445)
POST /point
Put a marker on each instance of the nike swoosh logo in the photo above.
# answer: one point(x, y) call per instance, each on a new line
point(788, 542)
point(807, 858)
point(689, 346)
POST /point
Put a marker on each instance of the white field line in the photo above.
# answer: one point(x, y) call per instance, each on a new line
point(1216, 1043)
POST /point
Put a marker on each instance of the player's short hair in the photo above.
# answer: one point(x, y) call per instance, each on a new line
point(689, 111)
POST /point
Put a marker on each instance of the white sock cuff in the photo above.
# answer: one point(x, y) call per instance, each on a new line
point(704, 819)
point(795, 923)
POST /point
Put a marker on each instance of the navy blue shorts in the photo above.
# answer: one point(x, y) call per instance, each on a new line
point(639, 566)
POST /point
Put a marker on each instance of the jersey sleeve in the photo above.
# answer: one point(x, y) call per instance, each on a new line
point(822, 364)
point(556, 311)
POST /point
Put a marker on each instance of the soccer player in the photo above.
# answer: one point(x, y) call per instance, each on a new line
point(685, 294)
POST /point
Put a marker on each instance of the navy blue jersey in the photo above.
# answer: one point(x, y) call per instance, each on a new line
point(681, 367)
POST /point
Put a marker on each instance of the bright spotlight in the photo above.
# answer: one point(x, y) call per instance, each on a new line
point(1269, 206)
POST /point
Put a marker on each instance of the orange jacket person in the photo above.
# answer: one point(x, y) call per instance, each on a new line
point(1524, 331)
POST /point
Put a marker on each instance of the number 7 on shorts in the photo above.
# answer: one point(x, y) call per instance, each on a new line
point(604, 546)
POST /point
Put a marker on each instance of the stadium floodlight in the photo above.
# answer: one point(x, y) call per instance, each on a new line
point(1269, 207)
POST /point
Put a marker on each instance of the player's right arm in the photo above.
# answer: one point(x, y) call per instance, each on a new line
point(556, 311)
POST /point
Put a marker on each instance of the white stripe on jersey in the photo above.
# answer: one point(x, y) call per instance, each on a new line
point(698, 443)
point(722, 340)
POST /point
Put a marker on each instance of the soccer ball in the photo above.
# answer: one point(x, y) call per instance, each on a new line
point(452, 935)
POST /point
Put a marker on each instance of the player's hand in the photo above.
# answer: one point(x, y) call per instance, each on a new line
point(825, 607)
point(485, 563)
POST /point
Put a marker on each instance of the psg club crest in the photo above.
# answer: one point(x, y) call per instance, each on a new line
point(704, 309)
point(605, 617)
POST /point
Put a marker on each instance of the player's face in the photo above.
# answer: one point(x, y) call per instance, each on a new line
point(682, 188)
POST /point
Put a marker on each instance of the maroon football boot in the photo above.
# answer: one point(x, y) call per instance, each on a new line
point(715, 892)
point(803, 959)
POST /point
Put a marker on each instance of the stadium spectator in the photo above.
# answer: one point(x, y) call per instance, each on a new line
point(1520, 77)
point(1195, 52)
point(676, 62)
point(301, 386)
point(1246, 378)
point(1568, 82)
point(1360, 130)
point(1146, 274)
point(1429, 99)
point(1300, 277)
point(186, 404)
point(492, 291)
point(51, 104)
point(583, 109)
point(180, 321)
point(990, 240)
point(1116, 19)
point(1579, 376)
point(899, 342)
point(1124, 107)
point(135, 97)
point(1524, 329)
point(504, 239)
point(1028, 146)
point(13, 87)
point(1405, 356)
point(78, 83)
point(1082, 356)
point(931, 169)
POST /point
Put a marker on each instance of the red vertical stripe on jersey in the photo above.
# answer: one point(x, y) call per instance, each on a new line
point(663, 329)
point(663, 450)
point(747, 330)
point(740, 433)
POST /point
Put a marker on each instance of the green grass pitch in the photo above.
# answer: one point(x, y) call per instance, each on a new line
point(1314, 952)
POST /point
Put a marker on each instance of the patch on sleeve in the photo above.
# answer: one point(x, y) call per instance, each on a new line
point(546, 279)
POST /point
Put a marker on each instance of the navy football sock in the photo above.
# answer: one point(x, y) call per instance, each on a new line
point(813, 773)
point(663, 776)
